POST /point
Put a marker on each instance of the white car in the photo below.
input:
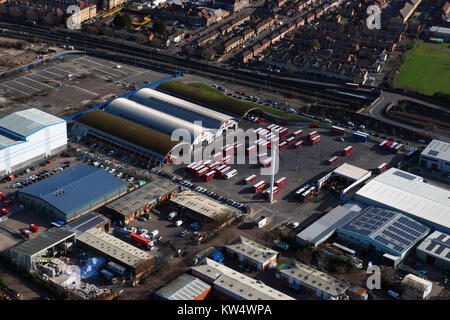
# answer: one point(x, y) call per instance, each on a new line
point(179, 223)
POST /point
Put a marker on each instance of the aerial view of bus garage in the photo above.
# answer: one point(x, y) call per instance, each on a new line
point(225, 150)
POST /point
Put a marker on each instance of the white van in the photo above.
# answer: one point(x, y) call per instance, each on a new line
point(179, 223)
point(172, 215)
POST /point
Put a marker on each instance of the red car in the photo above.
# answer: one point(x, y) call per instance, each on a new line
point(34, 227)
point(2, 195)
point(5, 211)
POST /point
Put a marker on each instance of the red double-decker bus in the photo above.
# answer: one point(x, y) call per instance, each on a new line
point(210, 175)
point(298, 133)
point(284, 132)
point(267, 192)
point(283, 145)
point(218, 156)
point(202, 172)
point(226, 160)
point(382, 168)
point(298, 144)
point(338, 130)
point(281, 182)
point(221, 167)
point(224, 171)
point(214, 165)
point(312, 134)
point(190, 166)
point(315, 140)
point(228, 150)
point(347, 151)
point(259, 186)
point(290, 140)
point(333, 160)
point(250, 179)
point(266, 162)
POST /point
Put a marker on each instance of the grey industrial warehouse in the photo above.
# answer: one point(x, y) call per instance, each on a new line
point(251, 253)
point(204, 209)
point(300, 276)
point(126, 208)
point(137, 261)
point(185, 287)
point(409, 194)
point(28, 253)
point(155, 117)
point(435, 249)
point(230, 284)
point(29, 136)
point(436, 156)
point(73, 192)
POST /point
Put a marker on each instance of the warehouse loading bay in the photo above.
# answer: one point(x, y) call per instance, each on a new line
point(64, 86)
point(301, 166)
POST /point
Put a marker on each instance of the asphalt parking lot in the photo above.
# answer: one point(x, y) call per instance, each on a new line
point(300, 166)
point(60, 85)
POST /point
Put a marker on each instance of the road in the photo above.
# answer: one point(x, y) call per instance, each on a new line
point(378, 111)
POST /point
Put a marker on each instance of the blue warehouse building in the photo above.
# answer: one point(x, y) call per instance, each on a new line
point(73, 192)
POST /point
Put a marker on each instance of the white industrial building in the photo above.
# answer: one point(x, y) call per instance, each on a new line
point(435, 249)
point(166, 114)
point(252, 253)
point(409, 194)
point(416, 287)
point(436, 156)
point(325, 227)
point(29, 136)
point(231, 284)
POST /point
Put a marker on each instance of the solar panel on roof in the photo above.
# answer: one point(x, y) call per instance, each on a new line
point(91, 224)
point(448, 255)
point(440, 249)
point(431, 246)
point(399, 248)
point(404, 175)
point(433, 153)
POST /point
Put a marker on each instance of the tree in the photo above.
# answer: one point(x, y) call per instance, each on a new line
point(159, 27)
point(15, 12)
point(107, 31)
point(140, 38)
point(49, 19)
point(208, 53)
point(122, 21)
point(190, 51)
point(315, 44)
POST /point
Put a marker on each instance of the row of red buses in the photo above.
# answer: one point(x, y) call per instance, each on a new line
point(230, 174)
point(312, 134)
point(283, 132)
point(214, 165)
point(333, 160)
point(298, 144)
point(238, 146)
point(250, 179)
point(338, 130)
point(315, 140)
point(267, 192)
point(200, 173)
point(382, 168)
point(281, 182)
point(259, 186)
point(298, 133)
point(221, 167)
point(224, 171)
point(347, 150)
point(210, 175)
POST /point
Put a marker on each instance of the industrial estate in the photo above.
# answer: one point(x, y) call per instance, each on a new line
point(259, 150)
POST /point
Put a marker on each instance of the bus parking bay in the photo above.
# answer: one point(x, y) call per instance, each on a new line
point(303, 165)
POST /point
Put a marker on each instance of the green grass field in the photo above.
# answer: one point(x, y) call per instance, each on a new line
point(427, 69)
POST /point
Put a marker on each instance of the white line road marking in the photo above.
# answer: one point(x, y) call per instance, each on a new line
point(88, 60)
point(41, 76)
point(11, 88)
point(26, 85)
point(82, 89)
point(100, 70)
point(37, 82)
point(134, 75)
point(57, 75)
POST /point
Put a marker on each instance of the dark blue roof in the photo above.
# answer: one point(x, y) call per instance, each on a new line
point(74, 187)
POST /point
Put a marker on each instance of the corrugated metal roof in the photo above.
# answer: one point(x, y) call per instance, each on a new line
point(316, 279)
point(74, 187)
point(185, 287)
point(251, 249)
point(111, 246)
point(438, 245)
point(236, 283)
point(320, 230)
point(86, 222)
point(350, 171)
point(408, 193)
point(43, 241)
point(26, 122)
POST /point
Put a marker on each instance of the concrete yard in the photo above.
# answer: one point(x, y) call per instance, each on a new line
point(300, 166)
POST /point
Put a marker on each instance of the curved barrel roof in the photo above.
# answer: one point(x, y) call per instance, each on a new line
point(180, 108)
point(152, 118)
